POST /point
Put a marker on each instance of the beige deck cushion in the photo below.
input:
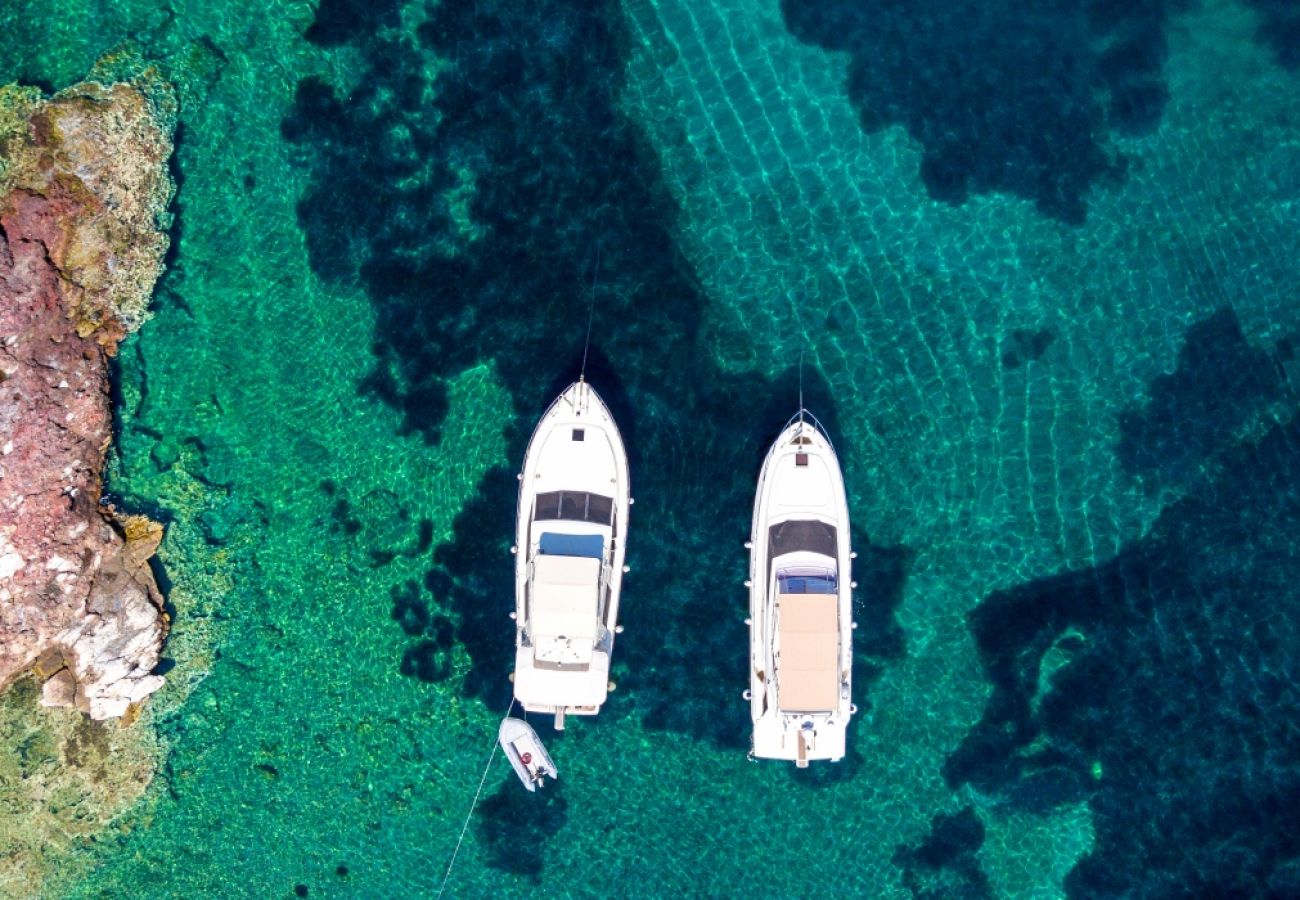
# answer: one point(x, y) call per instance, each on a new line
point(564, 606)
point(808, 677)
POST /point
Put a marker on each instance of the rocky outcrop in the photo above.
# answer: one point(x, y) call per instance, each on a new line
point(83, 195)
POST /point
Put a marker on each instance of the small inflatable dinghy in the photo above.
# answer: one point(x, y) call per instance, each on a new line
point(527, 756)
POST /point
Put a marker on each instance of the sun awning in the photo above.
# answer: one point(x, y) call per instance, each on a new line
point(808, 677)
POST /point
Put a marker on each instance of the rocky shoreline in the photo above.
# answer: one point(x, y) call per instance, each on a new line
point(84, 189)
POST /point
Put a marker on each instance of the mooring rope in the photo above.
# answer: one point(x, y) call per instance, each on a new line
point(591, 315)
point(482, 781)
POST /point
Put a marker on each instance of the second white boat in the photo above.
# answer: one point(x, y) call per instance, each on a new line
point(571, 538)
point(800, 601)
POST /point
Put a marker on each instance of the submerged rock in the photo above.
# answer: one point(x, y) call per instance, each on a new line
point(63, 778)
point(83, 195)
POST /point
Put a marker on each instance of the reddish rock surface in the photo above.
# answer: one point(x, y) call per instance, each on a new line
point(82, 191)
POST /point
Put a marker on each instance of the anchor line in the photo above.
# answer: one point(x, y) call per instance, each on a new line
point(801, 406)
point(591, 314)
point(474, 805)
point(803, 347)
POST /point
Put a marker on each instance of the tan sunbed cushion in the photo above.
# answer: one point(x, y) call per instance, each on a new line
point(808, 633)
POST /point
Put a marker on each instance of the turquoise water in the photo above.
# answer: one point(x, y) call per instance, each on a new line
point(1043, 266)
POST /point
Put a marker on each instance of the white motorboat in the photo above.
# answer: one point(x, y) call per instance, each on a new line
point(800, 600)
point(571, 536)
point(527, 755)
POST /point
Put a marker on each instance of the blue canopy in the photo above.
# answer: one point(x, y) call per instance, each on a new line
point(592, 545)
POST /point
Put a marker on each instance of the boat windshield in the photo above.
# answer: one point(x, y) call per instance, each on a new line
point(806, 580)
point(801, 535)
point(575, 506)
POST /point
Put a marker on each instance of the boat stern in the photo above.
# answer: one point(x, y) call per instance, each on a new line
point(560, 690)
point(801, 739)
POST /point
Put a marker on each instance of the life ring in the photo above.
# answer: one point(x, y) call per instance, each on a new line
point(525, 758)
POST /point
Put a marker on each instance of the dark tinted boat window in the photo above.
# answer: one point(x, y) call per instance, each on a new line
point(600, 509)
point(575, 506)
point(791, 537)
point(548, 506)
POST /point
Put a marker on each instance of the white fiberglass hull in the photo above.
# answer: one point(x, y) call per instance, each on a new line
point(800, 601)
point(570, 544)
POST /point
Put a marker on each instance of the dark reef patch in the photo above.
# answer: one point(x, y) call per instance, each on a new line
point(1279, 28)
point(1000, 96)
point(1162, 686)
point(410, 609)
point(428, 659)
point(881, 573)
point(167, 291)
point(379, 525)
point(1220, 385)
point(515, 826)
point(475, 573)
point(944, 864)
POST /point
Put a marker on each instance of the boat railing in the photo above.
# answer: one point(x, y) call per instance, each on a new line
point(604, 582)
point(804, 415)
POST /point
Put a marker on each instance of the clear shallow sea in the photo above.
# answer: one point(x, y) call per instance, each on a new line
point(1044, 266)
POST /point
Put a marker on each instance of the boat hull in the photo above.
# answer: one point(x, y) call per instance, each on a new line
point(800, 601)
point(574, 499)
